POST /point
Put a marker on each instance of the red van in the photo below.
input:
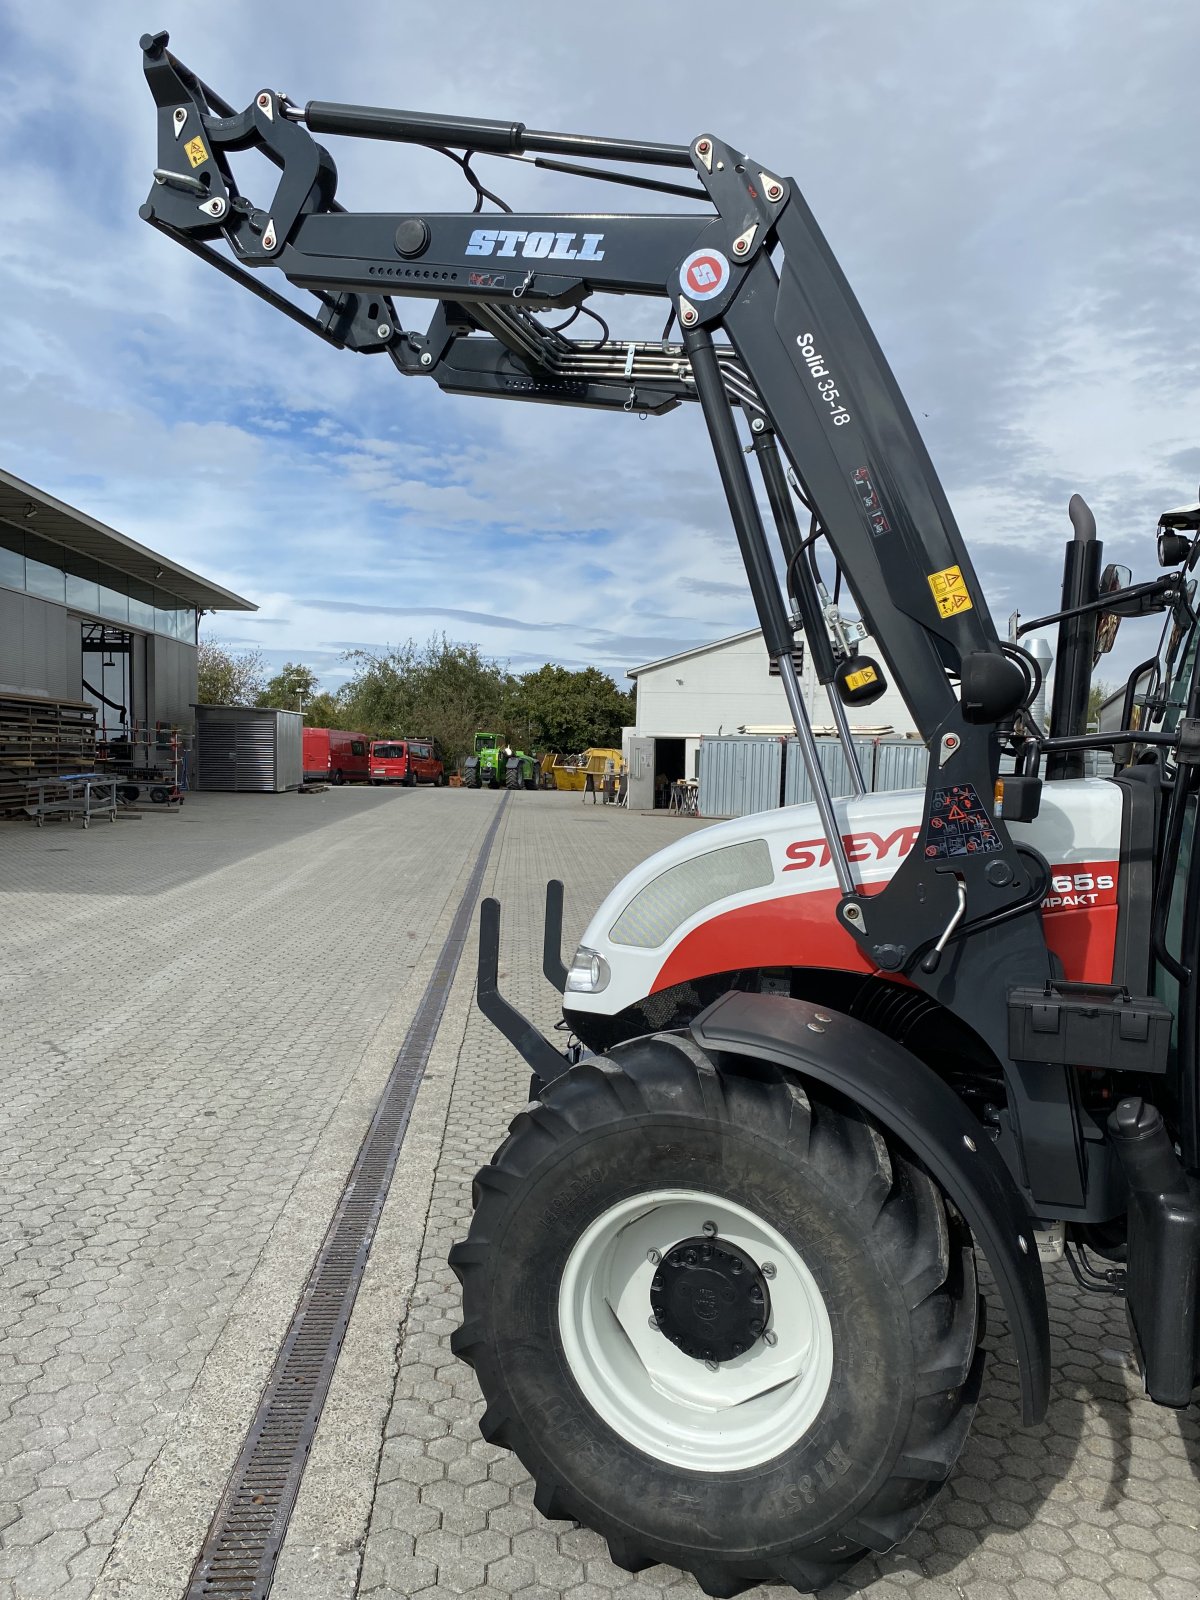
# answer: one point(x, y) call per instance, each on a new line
point(331, 755)
point(409, 761)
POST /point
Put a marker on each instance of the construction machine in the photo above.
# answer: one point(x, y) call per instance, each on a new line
point(493, 764)
point(720, 1290)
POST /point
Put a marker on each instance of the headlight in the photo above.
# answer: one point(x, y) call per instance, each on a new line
point(589, 972)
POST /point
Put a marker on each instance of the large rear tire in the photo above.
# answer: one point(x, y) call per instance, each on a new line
point(807, 1441)
point(512, 775)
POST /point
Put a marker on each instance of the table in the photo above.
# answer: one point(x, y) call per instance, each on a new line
point(685, 798)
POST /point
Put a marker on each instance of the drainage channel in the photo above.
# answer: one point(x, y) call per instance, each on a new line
point(237, 1561)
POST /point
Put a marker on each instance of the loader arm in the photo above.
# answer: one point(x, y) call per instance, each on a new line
point(768, 325)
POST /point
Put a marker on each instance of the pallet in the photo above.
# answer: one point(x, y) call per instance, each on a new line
point(39, 738)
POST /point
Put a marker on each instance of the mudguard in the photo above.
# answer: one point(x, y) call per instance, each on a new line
point(912, 1102)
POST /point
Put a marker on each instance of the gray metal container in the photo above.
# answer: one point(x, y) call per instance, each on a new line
point(740, 775)
point(248, 749)
point(900, 764)
point(797, 790)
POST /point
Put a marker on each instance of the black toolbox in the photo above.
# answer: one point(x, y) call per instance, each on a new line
point(1096, 1025)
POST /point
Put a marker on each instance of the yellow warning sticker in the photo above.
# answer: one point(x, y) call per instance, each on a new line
point(950, 592)
point(859, 679)
point(196, 153)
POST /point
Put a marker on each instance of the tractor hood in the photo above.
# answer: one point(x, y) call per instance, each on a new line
point(760, 891)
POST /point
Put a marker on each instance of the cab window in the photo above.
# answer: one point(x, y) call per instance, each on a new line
point(357, 747)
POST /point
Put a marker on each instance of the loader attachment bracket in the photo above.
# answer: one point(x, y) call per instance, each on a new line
point(544, 1060)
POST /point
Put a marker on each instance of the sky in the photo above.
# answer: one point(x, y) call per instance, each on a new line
point(1011, 190)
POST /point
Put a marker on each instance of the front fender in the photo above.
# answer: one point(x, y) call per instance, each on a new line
point(913, 1103)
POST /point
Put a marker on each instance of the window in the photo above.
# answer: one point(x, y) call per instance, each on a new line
point(12, 564)
point(358, 747)
point(83, 593)
point(49, 583)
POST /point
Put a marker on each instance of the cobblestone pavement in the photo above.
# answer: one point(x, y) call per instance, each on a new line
point(197, 1018)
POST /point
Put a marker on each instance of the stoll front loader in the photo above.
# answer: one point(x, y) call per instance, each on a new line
point(720, 1288)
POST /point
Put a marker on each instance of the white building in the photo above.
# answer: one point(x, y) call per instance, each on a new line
point(730, 687)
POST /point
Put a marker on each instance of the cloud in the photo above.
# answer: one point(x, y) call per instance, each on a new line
point(1021, 242)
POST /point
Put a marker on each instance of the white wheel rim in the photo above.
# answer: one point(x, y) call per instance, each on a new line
point(663, 1402)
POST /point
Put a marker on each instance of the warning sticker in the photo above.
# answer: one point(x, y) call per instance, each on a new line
point(196, 153)
point(950, 592)
point(859, 679)
point(704, 274)
point(959, 825)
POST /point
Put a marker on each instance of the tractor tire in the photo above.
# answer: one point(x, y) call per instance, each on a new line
point(597, 1354)
point(512, 777)
point(473, 779)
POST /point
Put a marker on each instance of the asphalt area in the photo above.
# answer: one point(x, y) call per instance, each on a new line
point(201, 1014)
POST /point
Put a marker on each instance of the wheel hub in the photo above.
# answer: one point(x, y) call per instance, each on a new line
point(710, 1299)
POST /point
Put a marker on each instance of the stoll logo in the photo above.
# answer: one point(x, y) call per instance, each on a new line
point(535, 246)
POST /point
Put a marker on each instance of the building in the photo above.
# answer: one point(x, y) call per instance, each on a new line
point(87, 614)
point(732, 686)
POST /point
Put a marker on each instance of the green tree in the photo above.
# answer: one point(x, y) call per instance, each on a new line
point(1100, 693)
point(227, 677)
point(439, 690)
point(325, 710)
point(568, 711)
point(290, 689)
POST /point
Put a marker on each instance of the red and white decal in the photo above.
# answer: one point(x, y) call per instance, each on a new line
point(802, 853)
point(704, 274)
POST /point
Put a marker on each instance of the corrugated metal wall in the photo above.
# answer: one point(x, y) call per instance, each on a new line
point(744, 774)
point(739, 775)
point(797, 790)
point(248, 751)
point(172, 680)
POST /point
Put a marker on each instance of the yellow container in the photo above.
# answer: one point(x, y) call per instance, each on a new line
point(571, 772)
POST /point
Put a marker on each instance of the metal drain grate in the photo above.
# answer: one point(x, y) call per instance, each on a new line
point(237, 1561)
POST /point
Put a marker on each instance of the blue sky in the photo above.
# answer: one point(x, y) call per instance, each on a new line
point(1011, 189)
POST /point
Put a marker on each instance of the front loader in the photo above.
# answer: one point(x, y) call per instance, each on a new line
point(720, 1289)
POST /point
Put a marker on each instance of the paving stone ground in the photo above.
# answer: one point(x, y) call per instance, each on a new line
point(197, 1014)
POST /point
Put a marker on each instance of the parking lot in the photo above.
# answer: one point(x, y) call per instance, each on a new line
point(198, 1014)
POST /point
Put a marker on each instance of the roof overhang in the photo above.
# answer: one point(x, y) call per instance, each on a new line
point(34, 511)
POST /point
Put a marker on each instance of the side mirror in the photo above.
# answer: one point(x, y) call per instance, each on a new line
point(1111, 579)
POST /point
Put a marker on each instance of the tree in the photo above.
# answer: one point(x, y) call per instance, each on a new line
point(227, 677)
point(570, 711)
point(439, 690)
point(1100, 693)
point(325, 710)
point(291, 687)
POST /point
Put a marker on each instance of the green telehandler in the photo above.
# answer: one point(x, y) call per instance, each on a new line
point(495, 762)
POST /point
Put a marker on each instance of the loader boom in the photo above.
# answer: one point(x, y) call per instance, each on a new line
point(768, 325)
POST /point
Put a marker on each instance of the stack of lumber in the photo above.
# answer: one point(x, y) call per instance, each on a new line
point(40, 739)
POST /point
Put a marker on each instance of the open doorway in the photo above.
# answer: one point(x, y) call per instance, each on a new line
point(669, 756)
point(108, 679)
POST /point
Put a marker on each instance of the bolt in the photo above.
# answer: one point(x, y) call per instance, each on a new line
point(712, 1366)
point(687, 317)
point(384, 330)
point(702, 147)
point(653, 1321)
point(821, 1017)
point(720, 166)
point(969, 1142)
point(756, 1327)
point(770, 1338)
point(653, 1257)
point(768, 1269)
point(852, 913)
point(426, 359)
point(774, 190)
point(689, 1258)
point(758, 424)
point(814, 1027)
point(710, 1228)
point(739, 247)
point(264, 100)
